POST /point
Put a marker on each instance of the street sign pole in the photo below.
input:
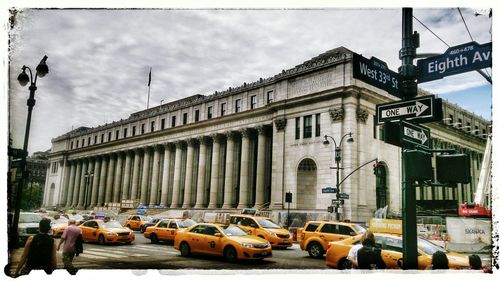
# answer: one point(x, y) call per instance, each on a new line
point(409, 90)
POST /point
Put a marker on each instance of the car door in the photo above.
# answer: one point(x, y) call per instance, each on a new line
point(392, 251)
point(89, 230)
point(249, 225)
point(211, 243)
point(196, 239)
point(328, 233)
point(161, 230)
point(170, 232)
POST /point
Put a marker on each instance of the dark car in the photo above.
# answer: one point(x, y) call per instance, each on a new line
point(151, 222)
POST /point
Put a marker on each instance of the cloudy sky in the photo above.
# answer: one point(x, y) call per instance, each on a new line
point(99, 59)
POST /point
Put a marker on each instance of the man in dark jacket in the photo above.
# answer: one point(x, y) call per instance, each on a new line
point(369, 256)
point(39, 251)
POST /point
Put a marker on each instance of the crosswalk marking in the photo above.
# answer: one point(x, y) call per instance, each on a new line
point(123, 254)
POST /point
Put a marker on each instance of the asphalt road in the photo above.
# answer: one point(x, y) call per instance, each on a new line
point(141, 254)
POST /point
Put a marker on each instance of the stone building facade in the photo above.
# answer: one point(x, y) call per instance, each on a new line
point(247, 146)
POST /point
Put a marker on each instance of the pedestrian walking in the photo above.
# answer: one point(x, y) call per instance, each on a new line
point(39, 251)
point(69, 238)
point(475, 262)
point(369, 256)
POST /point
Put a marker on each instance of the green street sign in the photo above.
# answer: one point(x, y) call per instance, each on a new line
point(415, 134)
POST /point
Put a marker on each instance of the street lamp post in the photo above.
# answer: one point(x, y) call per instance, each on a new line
point(41, 70)
point(338, 158)
point(88, 178)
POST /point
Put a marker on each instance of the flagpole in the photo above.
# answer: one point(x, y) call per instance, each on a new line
point(149, 87)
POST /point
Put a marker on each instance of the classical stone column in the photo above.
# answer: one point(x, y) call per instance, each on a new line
point(166, 175)
point(200, 185)
point(118, 178)
point(153, 197)
point(95, 182)
point(71, 184)
point(83, 182)
point(110, 178)
point(189, 174)
point(78, 176)
point(228, 180)
point(64, 193)
point(177, 175)
point(126, 175)
point(261, 165)
point(135, 174)
point(214, 177)
point(245, 157)
point(102, 181)
point(145, 176)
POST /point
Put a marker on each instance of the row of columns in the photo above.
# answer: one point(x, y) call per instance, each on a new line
point(131, 175)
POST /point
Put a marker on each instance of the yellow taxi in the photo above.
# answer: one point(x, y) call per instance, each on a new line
point(265, 228)
point(58, 226)
point(135, 222)
point(316, 235)
point(106, 232)
point(229, 241)
point(166, 229)
point(388, 238)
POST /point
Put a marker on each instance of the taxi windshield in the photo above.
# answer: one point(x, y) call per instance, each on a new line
point(428, 247)
point(27, 218)
point(186, 223)
point(359, 228)
point(111, 224)
point(232, 230)
point(267, 223)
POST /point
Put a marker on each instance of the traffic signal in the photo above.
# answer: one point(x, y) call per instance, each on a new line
point(454, 168)
point(288, 197)
point(418, 165)
point(330, 209)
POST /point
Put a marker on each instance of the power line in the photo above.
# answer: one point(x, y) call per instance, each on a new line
point(431, 31)
point(465, 24)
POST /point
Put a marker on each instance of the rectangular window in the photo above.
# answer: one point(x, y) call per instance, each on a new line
point(270, 96)
point(83, 142)
point(71, 146)
point(197, 115)
point(109, 136)
point(476, 130)
point(102, 138)
point(297, 128)
point(184, 118)
point(237, 105)
point(124, 132)
point(451, 119)
point(222, 109)
point(173, 121)
point(308, 126)
point(95, 139)
point(143, 128)
point(77, 142)
point(152, 126)
point(163, 123)
point(318, 125)
point(88, 141)
point(209, 112)
point(133, 130)
point(253, 101)
point(117, 134)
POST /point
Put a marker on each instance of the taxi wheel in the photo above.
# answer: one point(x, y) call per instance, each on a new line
point(101, 239)
point(185, 251)
point(154, 238)
point(315, 250)
point(230, 254)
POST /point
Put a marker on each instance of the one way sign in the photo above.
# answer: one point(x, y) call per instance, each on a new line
point(414, 134)
point(419, 110)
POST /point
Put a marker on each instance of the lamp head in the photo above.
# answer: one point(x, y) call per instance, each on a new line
point(23, 78)
point(326, 142)
point(350, 139)
point(42, 69)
